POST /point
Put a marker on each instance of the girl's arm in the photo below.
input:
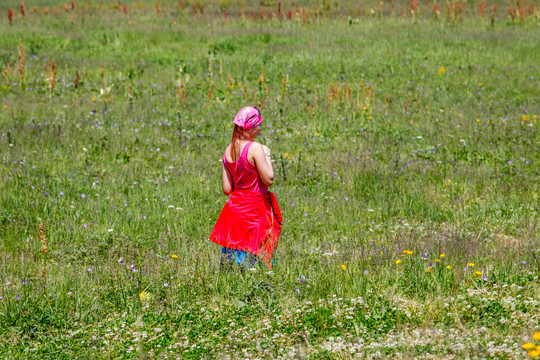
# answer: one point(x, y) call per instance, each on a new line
point(263, 162)
point(228, 184)
point(267, 156)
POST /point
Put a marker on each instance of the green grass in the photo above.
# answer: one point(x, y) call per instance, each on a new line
point(434, 150)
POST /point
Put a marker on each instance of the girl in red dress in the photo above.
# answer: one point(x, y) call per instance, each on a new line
point(249, 225)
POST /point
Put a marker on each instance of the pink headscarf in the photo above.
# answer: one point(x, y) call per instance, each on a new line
point(248, 117)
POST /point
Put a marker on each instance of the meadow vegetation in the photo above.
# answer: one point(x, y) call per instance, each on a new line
point(405, 144)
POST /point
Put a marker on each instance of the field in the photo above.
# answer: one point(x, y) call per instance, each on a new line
point(405, 144)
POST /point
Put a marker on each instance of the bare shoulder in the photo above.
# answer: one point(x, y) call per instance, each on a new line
point(228, 153)
point(255, 148)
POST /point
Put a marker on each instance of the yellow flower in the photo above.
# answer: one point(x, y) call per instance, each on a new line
point(364, 108)
point(448, 267)
point(343, 267)
point(477, 120)
point(470, 264)
point(528, 346)
point(441, 70)
point(442, 255)
point(145, 295)
point(477, 273)
point(174, 256)
point(398, 261)
point(534, 353)
point(437, 260)
point(536, 336)
point(428, 269)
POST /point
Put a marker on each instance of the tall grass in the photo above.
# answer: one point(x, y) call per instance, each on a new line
point(406, 159)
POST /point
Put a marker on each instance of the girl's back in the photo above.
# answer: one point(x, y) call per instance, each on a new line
point(244, 173)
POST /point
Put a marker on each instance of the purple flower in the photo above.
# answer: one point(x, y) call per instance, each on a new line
point(83, 196)
point(120, 261)
point(366, 272)
point(18, 297)
point(166, 285)
point(485, 278)
point(298, 291)
point(132, 268)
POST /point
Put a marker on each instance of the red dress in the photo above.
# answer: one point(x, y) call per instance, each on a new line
point(250, 220)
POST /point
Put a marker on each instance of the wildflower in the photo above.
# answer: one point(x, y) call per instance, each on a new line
point(534, 353)
point(485, 278)
point(470, 264)
point(448, 267)
point(366, 272)
point(174, 256)
point(398, 261)
point(343, 267)
point(477, 273)
point(528, 346)
point(437, 260)
point(145, 295)
point(120, 261)
point(536, 336)
point(83, 196)
point(441, 70)
point(428, 269)
point(166, 285)
point(442, 255)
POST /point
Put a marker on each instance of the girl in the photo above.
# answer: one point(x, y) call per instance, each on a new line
point(249, 225)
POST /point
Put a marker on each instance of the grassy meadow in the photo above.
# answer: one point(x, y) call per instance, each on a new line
point(405, 144)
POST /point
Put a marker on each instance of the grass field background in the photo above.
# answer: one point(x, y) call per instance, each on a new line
point(405, 145)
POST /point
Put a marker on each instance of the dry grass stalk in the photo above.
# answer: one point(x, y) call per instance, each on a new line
point(44, 248)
